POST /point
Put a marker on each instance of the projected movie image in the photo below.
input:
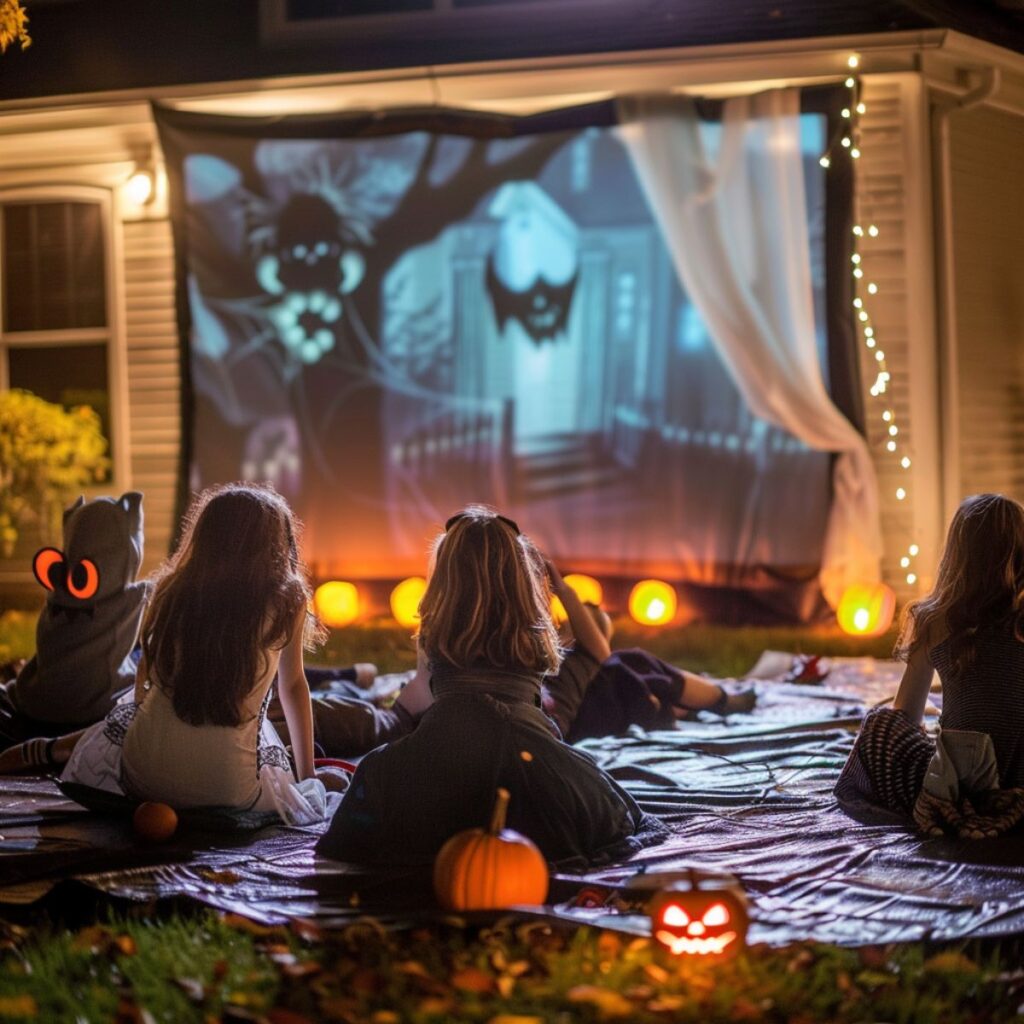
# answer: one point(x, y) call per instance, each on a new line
point(388, 328)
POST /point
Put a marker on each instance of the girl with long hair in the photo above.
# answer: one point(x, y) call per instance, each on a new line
point(487, 639)
point(969, 629)
point(228, 615)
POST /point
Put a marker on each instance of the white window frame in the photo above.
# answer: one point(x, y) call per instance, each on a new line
point(112, 334)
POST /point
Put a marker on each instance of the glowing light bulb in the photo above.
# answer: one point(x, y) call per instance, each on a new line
point(824, 161)
point(873, 231)
point(846, 111)
point(870, 342)
point(900, 493)
point(857, 303)
point(891, 445)
point(904, 562)
point(869, 332)
point(337, 603)
point(862, 316)
point(847, 143)
point(653, 603)
point(862, 108)
point(851, 82)
point(855, 258)
point(872, 288)
point(911, 578)
point(861, 618)
point(855, 153)
point(858, 230)
point(879, 355)
point(887, 415)
point(405, 601)
point(893, 430)
point(914, 550)
point(853, 61)
point(905, 462)
point(140, 187)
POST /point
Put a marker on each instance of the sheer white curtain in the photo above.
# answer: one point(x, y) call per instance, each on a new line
point(736, 226)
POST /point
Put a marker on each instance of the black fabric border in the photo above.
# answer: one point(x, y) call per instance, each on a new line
point(844, 370)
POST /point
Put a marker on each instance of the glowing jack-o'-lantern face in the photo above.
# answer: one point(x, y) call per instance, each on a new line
point(706, 935)
point(702, 922)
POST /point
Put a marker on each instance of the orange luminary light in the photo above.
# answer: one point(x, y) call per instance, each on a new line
point(337, 603)
point(405, 601)
point(705, 920)
point(866, 609)
point(653, 603)
point(587, 589)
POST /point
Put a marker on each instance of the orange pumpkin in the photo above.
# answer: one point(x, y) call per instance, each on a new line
point(154, 822)
point(705, 917)
point(490, 869)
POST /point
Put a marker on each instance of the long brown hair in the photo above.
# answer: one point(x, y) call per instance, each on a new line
point(487, 603)
point(228, 595)
point(980, 580)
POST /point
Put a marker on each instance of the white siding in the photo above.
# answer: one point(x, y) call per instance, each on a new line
point(153, 376)
point(986, 149)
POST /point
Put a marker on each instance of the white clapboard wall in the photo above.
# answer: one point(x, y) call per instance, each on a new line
point(154, 377)
point(986, 150)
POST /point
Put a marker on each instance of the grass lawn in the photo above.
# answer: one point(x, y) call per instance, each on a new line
point(208, 967)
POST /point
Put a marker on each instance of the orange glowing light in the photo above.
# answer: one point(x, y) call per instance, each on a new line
point(866, 609)
point(653, 603)
point(587, 589)
point(405, 601)
point(337, 603)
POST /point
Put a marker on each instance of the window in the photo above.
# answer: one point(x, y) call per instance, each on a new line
point(55, 333)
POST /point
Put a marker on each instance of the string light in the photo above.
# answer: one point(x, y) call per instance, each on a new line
point(848, 137)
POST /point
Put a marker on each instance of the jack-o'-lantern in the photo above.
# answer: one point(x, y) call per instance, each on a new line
point(490, 869)
point(701, 918)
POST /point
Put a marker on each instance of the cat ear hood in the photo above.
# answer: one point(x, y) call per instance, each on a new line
point(107, 534)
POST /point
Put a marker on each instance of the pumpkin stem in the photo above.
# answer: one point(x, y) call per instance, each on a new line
point(499, 812)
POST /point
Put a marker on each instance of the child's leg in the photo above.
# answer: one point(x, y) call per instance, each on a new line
point(39, 753)
point(700, 694)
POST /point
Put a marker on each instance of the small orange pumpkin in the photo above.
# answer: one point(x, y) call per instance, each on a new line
point(490, 869)
point(155, 823)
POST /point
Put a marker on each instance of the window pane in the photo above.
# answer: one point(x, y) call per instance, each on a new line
point(53, 266)
point(69, 375)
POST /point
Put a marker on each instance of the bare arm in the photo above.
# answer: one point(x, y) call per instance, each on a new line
point(293, 692)
point(416, 696)
point(913, 692)
point(587, 632)
point(141, 676)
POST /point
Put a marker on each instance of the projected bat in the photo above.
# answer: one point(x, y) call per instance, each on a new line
point(532, 271)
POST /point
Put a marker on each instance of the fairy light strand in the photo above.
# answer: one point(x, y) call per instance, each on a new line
point(848, 141)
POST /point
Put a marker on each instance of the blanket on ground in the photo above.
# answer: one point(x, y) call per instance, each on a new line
point(752, 795)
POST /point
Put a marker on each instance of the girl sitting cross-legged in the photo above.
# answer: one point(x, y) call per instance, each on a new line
point(227, 616)
point(487, 639)
point(970, 629)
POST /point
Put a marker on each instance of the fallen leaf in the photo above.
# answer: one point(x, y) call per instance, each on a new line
point(951, 962)
point(608, 1003)
point(93, 939)
point(656, 973)
point(505, 985)
point(472, 979)
point(436, 1005)
point(279, 1015)
point(245, 924)
point(126, 945)
point(18, 1006)
point(666, 1004)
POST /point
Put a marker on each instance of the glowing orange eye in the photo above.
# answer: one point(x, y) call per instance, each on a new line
point(675, 916)
point(44, 564)
point(84, 580)
point(716, 916)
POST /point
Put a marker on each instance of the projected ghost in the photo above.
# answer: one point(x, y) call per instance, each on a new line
point(315, 262)
point(532, 271)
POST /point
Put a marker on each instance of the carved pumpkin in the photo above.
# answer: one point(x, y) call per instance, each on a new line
point(702, 917)
point(490, 869)
point(866, 609)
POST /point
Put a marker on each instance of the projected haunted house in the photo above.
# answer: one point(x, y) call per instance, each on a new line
point(388, 329)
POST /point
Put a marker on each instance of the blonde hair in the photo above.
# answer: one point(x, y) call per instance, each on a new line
point(980, 580)
point(487, 603)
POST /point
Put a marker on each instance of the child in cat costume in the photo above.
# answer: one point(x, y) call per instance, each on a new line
point(88, 627)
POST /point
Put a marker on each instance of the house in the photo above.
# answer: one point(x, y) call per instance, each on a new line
point(941, 137)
